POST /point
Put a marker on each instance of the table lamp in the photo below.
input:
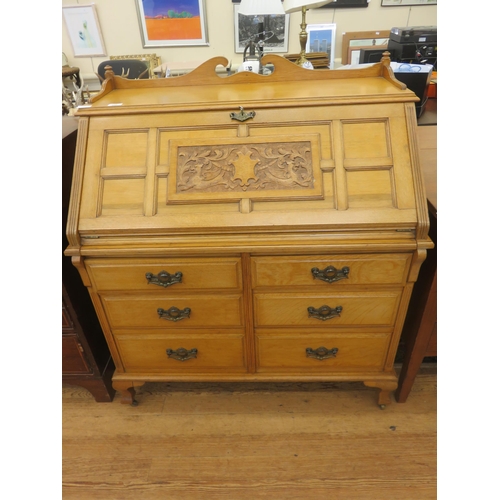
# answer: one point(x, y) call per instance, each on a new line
point(303, 5)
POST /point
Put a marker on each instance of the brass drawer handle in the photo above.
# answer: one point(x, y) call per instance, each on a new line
point(163, 278)
point(174, 313)
point(242, 115)
point(182, 354)
point(330, 273)
point(324, 312)
point(321, 353)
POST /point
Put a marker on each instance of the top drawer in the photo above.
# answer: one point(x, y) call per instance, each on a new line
point(333, 270)
point(155, 274)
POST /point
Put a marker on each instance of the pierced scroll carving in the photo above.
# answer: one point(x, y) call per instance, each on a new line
point(252, 167)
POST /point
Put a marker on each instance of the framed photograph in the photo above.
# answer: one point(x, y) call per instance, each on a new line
point(84, 30)
point(170, 23)
point(321, 38)
point(401, 3)
point(273, 27)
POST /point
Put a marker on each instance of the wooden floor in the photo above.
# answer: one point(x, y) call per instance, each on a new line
point(251, 441)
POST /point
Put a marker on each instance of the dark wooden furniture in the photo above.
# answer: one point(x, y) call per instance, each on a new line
point(86, 360)
point(419, 334)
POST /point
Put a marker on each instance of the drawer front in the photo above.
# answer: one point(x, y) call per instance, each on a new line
point(213, 354)
point(369, 269)
point(141, 311)
point(357, 308)
point(130, 274)
point(73, 359)
point(321, 353)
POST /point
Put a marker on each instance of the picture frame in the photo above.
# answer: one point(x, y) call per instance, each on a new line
point(172, 23)
point(246, 28)
point(342, 4)
point(354, 41)
point(84, 31)
point(405, 3)
point(152, 60)
point(321, 38)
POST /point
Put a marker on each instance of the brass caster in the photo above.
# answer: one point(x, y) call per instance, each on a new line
point(134, 403)
point(382, 407)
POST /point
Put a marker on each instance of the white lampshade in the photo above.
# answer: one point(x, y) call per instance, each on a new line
point(295, 5)
point(261, 7)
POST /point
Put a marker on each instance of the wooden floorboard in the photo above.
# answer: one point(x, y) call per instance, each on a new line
point(251, 441)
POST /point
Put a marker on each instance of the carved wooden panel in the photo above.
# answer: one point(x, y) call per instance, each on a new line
point(252, 167)
point(229, 170)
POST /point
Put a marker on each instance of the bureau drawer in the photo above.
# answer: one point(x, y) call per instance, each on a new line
point(130, 274)
point(356, 308)
point(213, 354)
point(370, 269)
point(311, 353)
point(191, 311)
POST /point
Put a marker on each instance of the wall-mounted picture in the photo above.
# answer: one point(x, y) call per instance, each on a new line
point(168, 23)
point(342, 4)
point(321, 38)
point(274, 29)
point(84, 30)
point(401, 3)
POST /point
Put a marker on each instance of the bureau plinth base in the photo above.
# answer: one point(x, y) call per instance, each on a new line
point(385, 382)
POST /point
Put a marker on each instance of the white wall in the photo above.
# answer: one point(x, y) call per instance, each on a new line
point(122, 36)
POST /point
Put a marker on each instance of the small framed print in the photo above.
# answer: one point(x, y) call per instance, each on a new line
point(84, 30)
point(321, 38)
point(275, 29)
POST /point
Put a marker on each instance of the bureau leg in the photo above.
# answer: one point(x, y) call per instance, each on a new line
point(127, 391)
point(385, 390)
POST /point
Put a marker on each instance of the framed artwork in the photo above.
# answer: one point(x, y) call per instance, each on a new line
point(274, 27)
point(321, 38)
point(169, 23)
point(354, 41)
point(84, 30)
point(401, 3)
point(338, 4)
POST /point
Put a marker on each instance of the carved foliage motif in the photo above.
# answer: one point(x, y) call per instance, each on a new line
point(250, 167)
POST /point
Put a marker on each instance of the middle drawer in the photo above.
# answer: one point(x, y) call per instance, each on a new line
point(167, 312)
point(326, 310)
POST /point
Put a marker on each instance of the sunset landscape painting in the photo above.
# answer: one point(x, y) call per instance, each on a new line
point(172, 22)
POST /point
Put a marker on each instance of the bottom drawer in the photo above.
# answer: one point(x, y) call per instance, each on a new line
point(148, 354)
point(321, 353)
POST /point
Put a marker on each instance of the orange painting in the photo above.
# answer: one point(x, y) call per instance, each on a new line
point(174, 29)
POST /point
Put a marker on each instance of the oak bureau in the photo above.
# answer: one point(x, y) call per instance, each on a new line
point(250, 227)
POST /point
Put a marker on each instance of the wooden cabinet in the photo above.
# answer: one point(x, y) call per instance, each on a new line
point(250, 227)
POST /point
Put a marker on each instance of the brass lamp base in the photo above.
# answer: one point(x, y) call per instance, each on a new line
point(302, 60)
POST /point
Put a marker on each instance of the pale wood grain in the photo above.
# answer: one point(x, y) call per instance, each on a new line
point(251, 441)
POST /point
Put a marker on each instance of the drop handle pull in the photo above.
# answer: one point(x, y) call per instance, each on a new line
point(330, 274)
point(182, 354)
point(164, 278)
point(324, 312)
point(321, 353)
point(174, 313)
point(242, 115)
